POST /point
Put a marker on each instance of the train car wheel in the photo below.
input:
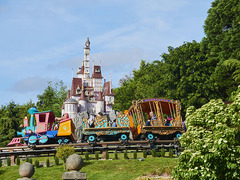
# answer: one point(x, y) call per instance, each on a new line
point(91, 138)
point(43, 139)
point(124, 137)
point(178, 136)
point(150, 136)
point(32, 139)
point(66, 141)
point(60, 141)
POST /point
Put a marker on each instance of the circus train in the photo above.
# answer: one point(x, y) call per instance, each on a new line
point(146, 119)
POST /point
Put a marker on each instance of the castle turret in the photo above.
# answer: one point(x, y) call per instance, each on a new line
point(100, 103)
point(71, 107)
point(86, 74)
point(108, 95)
point(83, 101)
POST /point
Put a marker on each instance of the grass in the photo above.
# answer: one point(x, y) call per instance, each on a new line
point(121, 169)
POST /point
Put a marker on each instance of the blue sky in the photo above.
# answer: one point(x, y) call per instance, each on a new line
point(43, 40)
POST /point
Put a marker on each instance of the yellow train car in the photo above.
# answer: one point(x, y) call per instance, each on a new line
point(155, 118)
point(67, 129)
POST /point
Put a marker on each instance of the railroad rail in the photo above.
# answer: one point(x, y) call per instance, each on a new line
point(45, 150)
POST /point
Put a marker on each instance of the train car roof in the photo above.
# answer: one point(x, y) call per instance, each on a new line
point(43, 112)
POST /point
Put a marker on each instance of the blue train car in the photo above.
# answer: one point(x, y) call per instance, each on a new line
point(104, 130)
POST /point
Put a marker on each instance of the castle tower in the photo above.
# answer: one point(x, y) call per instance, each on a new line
point(86, 74)
point(108, 95)
point(97, 78)
point(71, 107)
point(100, 103)
point(83, 101)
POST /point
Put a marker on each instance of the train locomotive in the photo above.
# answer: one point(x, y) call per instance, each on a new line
point(43, 132)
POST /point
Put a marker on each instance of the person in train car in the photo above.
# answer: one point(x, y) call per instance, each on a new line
point(114, 123)
point(152, 116)
point(91, 121)
point(57, 119)
point(148, 123)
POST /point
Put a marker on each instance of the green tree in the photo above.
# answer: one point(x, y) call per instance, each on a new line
point(63, 151)
point(52, 98)
point(124, 94)
point(212, 143)
point(9, 122)
point(222, 29)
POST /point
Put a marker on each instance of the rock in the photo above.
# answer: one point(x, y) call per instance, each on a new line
point(112, 115)
point(74, 162)
point(74, 175)
point(26, 170)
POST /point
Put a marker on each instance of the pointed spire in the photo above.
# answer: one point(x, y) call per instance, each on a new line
point(83, 97)
point(100, 98)
point(68, 93)
point(110, 88)
point(87, 44)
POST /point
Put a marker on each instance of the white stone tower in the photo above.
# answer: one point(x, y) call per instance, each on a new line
point(86, 75)
point(83, 101)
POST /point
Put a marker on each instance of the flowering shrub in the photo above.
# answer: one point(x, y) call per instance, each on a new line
point(212, 142)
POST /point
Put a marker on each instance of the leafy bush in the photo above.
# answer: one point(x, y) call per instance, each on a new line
point(135, 155)
point(47, 163)
point(0, 162)
point(126, 155)
point(115, 155)
point(86, 156)
point(17, 161)
point(36, 163)
point(8, 162)
point(212, 144)
point(171, 152)
point(96, 155)
point(63, 151)
point(144, 153)
point(56, 159)
point(27, 159)
point(30, 160)
point(162, 152)
point(107, 155)
point(153, 153)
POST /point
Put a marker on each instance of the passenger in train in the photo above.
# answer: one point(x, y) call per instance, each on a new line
point(148, 123)
point(152, 116)
point(91, 121)
point(114, 123)
point(56, 125)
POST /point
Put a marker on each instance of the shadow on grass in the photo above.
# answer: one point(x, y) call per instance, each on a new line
point(87, 163)
point(2, 171)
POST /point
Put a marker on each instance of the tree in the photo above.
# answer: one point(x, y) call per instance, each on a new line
point(63, 152)
point(222, 29)
point(212, 143)
point(9, 122)
point(52, 98)
point(124, 95)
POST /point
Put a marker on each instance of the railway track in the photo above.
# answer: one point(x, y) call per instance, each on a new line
point(46, 150)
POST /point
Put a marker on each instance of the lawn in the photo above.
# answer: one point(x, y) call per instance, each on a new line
point(100, 169)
